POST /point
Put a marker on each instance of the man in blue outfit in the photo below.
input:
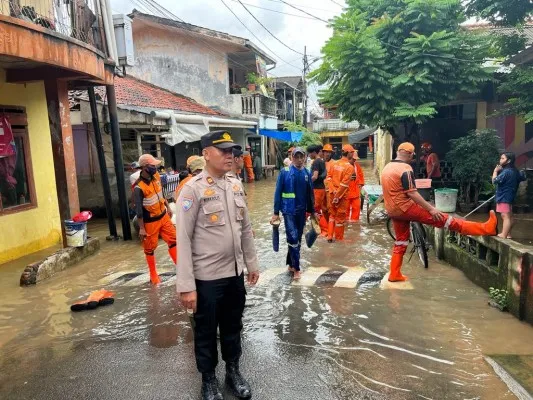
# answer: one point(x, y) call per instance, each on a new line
point(294, 198)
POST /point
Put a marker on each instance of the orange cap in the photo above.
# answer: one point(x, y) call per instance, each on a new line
point(148, 159)
point(348, 148)
point(291, 149)
point(327, 147)
point(191, 159)
point(356, 155)
point(406, 146)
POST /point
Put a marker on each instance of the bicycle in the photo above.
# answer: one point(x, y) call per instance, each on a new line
point(417, 236)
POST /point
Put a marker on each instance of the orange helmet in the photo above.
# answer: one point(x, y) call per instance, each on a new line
point(290, 150)
point(426, 146)
point(327, 147)
point(348, 148)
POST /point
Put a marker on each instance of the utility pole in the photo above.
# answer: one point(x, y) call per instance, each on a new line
point(306, 70)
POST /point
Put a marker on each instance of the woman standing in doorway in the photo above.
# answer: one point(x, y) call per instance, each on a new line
point(507, 178)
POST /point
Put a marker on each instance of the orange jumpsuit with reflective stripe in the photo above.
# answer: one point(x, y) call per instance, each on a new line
point(354, 193)
point(325, 205)
point(341, 174)
point(249, 167)
point(156, 223)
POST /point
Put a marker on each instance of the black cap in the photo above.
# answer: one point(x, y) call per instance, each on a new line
point(219, 139)
point(237, 152)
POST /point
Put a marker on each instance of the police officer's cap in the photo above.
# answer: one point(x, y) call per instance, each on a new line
point(219, 139)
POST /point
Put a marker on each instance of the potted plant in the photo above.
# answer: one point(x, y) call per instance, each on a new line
point(473, 158)
point(499, 298)
point(251, 78)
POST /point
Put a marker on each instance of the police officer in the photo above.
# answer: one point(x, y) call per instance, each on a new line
point(215, 245)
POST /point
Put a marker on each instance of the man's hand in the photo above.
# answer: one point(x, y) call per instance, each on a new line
point(253, 277)
point(189, 300)
point(275, 218)
point(436, 214)
point(142, 234)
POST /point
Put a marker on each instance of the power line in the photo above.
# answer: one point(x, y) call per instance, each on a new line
point(266, 29)
point(334, 2)
point(303, 5)
point(305, 12)
point(277, 11)
point(254, 35)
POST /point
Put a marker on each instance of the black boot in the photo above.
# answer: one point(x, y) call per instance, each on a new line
point(210, 389)
point(236, 382)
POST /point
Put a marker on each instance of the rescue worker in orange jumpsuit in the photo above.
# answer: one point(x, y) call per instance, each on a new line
point(153, 214)
point(431, 160)
point(341, 174)
point(354, 191)
point(327, 153)
point(248, 165)
point(404, 204)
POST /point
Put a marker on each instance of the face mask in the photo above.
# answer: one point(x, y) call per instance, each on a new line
point(151, 170)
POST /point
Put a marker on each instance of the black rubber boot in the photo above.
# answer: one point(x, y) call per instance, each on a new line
point(236, 382)
point(210, 389)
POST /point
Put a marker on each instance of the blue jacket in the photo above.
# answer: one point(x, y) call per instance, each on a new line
point(508, 180)
point(291, 195)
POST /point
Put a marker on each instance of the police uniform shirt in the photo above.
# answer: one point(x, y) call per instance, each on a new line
point(214, 231)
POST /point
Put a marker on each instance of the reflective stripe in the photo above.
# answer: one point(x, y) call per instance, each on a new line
point(288, 195)
point(294, 245)
point(342, 184)
point(401, 244)
point(339, 224)
point(448, 222)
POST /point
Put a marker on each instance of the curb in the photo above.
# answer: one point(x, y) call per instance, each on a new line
point(57, 262)
point(517, 389)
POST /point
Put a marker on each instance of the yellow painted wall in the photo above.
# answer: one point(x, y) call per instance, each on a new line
point(29, 231)
point(383, 150)
point(481, 115)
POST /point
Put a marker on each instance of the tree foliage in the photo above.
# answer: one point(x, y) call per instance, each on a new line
point(473, 158)
point(390, 61)
point(308, 137)
point(516, 86)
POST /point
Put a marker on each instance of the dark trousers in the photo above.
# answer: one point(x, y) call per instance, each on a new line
point(220, 303)
point(294, 228)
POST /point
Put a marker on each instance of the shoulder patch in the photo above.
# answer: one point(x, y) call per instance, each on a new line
point(187, 203)
point(210, 180)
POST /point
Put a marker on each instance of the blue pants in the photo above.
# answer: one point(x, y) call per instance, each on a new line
point(294, 227)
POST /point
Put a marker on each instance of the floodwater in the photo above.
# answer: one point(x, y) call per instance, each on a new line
point(338, 334)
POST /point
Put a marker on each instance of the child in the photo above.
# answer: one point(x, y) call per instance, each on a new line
point(507, 178)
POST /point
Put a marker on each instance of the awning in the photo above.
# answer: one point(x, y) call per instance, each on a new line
point(287, 136)
point(185, 133)
point(362, 134)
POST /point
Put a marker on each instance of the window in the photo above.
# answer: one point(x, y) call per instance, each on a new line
point(17, 191)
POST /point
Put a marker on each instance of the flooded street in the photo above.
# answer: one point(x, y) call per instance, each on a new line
point(336, 334)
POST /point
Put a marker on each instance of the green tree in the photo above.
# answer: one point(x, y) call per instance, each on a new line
point(393, 62)
point(308, 137)
point(517, 86)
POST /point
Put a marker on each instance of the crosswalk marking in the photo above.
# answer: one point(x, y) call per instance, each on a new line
point(386, 285)
point(347, 278)
point(350, 278)
point(310, 276)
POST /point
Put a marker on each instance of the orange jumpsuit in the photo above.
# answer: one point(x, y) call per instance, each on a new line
point(156, 223)
point(180, 186)
point(354, 194)
point(325, 205)
point(249, 167)
point(340, 173)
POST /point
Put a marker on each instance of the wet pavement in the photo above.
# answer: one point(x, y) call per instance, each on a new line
point(338, 334)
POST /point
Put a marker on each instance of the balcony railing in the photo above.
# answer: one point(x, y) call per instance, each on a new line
point(334, 125)
point(76, 19)
point(256, 104)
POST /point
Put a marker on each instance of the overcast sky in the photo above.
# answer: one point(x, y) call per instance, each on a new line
point(296, 31)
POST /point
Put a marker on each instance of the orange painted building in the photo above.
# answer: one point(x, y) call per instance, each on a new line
point(46, 49)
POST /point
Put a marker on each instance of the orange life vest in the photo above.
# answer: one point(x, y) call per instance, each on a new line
point(153, 199)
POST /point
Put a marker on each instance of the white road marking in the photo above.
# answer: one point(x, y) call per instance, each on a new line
point(309, 276)
point(269, 274)
point(350, 278)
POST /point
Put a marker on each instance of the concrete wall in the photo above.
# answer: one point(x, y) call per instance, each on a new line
point(32, 230)
point(491, 262)
point(184, 65)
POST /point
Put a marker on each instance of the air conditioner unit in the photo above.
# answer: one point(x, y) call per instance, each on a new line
point(124, 38)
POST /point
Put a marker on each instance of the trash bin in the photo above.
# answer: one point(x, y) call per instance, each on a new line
point(76, 233)
point(424, 188)
point(446, 200)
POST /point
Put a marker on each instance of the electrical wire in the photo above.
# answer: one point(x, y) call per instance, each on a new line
point(266, 29)
point(303, 5)
point(254, 35)
point(277, 11)
point(305, 12)
point(334, 2)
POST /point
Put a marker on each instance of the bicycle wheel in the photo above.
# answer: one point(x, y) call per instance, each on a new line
point(419, 240)
point(390, 228)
